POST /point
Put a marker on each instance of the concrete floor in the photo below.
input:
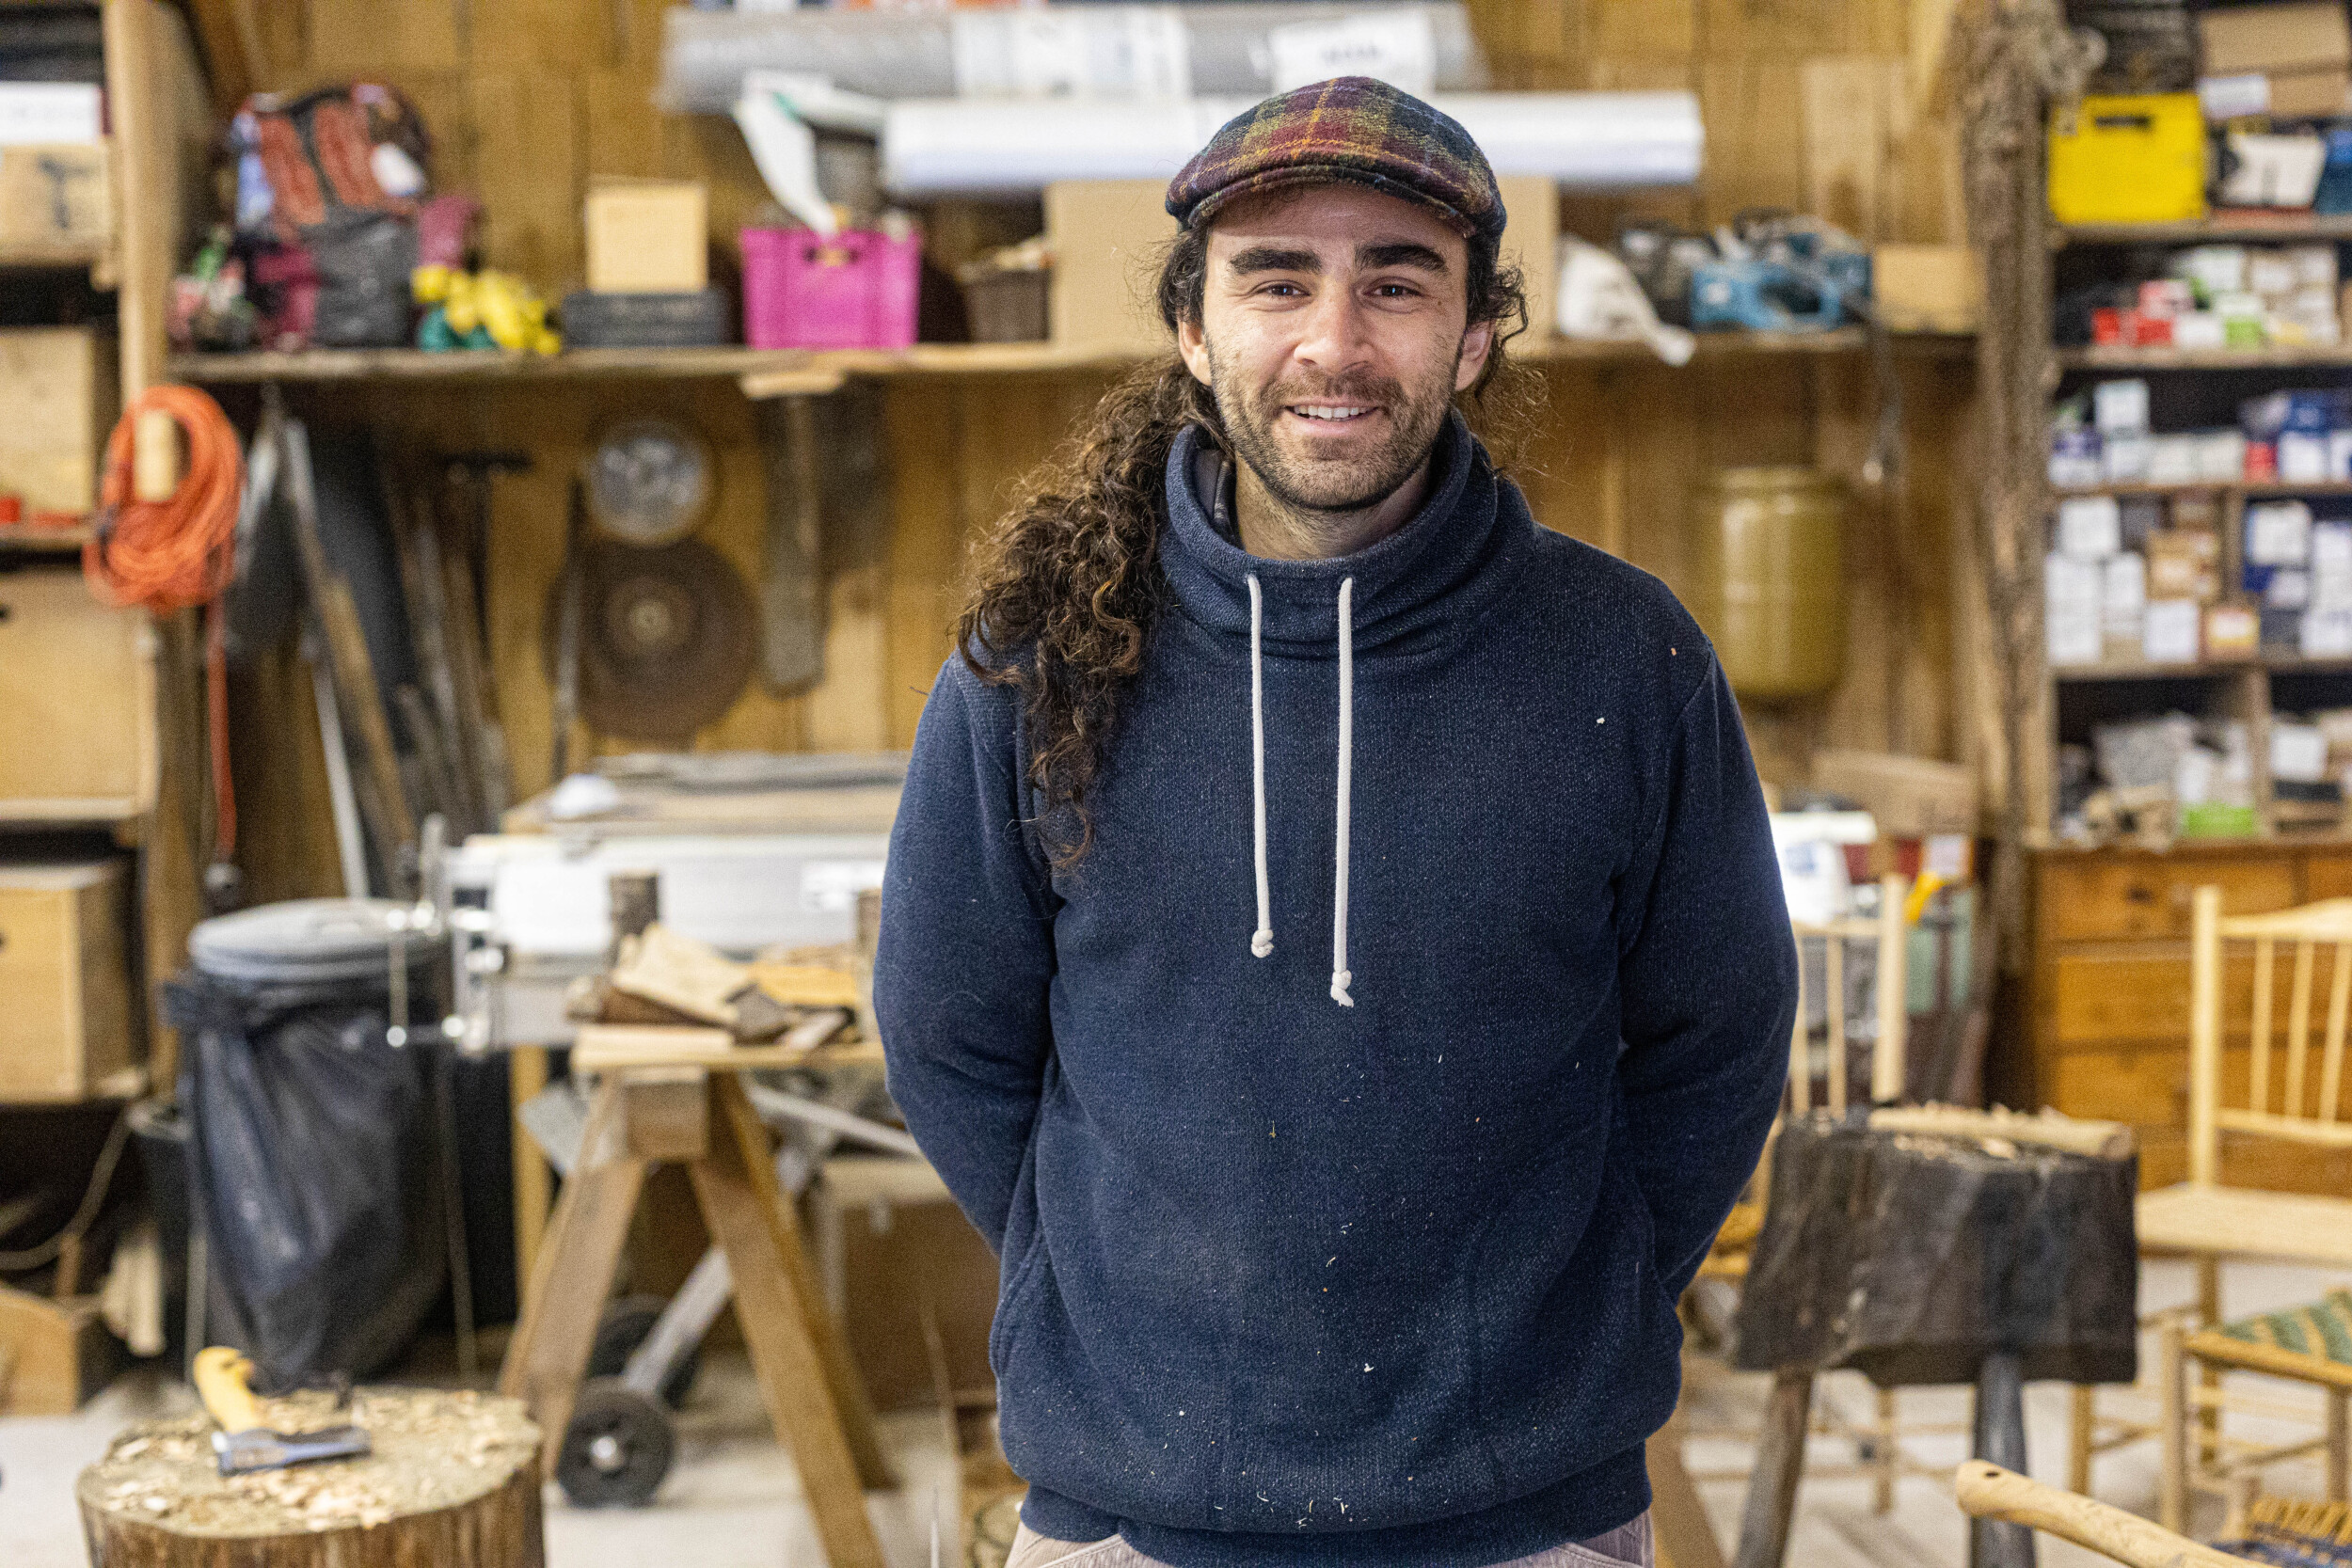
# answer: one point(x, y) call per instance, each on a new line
point(733, 1500)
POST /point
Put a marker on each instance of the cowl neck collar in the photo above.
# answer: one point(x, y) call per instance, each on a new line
point(1412, 588)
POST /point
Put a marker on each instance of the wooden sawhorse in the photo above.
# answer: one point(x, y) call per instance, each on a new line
point(674, 1095)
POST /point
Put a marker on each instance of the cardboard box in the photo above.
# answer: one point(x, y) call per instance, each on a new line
point(56, 200)
point(2183, 563)
point(1909, 797)
point(77, 703)
point(1107, 236)
point(891, 1247)
point(648, 236)
point(1927, 288)
point(58, 401)
point(2288, 60)
point(67, 1028)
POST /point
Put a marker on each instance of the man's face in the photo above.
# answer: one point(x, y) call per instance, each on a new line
point(1334, 336)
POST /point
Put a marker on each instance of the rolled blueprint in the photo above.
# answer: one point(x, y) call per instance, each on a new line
point(1121, 50)
point(977, 147)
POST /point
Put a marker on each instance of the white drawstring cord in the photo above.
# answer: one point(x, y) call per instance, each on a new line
point(1340, 978)
point(1262, 941)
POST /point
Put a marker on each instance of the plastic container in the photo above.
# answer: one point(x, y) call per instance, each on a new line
point(856, 290)
point(1771, 580)
point(1006, 306)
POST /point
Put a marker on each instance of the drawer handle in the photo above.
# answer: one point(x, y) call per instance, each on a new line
point(2140, 895)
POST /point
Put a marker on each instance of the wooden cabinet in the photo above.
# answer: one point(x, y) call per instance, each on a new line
point(77, 701)
point(67, 1031)
point(2107, 1023)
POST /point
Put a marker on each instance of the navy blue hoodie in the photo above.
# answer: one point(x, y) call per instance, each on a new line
point(1389, 1282)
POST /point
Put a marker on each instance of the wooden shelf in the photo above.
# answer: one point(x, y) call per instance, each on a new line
point(2253, 489)
point(2274, 356)
point(2277, 664)
point(52, 256)
point(781, 369)
point(2235, 225)
point(48, 540)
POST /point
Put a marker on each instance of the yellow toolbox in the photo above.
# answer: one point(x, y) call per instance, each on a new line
point(2129, 158)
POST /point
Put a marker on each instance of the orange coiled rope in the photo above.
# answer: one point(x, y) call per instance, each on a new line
point(178, 553)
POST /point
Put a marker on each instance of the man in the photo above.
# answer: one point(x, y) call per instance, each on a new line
point(1372, 1264)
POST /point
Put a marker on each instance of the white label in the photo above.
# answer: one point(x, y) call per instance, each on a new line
point(832, 887)
point(36, 113)
point(1121, 53)
point(1395, 47)
point(1945, 855)
point(2298, 752)
point(2234, 97)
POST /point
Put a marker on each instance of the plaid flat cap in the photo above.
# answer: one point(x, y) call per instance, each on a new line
point(1350, 128)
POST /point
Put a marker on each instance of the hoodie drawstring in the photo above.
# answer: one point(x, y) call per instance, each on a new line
point(1262, 941)
point(1340, 976)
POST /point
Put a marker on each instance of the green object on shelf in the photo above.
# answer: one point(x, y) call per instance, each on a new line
point(2212, 819)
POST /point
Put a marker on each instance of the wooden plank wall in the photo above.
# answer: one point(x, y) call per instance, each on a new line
point(1821, 104)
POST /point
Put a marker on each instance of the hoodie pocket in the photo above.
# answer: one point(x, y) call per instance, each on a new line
point(1575, 1338)
point(1019, 1287)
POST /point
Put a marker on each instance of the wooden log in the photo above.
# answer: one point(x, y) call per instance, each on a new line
point(1989, 1492)
point(453, 1480)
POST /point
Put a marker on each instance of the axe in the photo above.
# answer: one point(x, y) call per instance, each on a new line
point(224, 1382)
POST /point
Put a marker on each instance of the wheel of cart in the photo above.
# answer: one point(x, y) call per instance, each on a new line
point(617, 1446)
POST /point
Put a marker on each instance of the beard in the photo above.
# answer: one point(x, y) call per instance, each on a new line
point(1303, 482)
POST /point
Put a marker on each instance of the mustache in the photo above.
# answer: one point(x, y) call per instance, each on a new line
point(1378, 391)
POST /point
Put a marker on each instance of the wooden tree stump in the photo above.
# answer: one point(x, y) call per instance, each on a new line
point(453, 1481)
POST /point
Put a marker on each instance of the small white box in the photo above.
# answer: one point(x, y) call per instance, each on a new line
point(2218, 269)
point(2124, 456)
point(2221, 456)
point(2298, 752)
point(2270, 273)
point(2124, 597)
point(2089, 528)
point(2279, 533)
point(2173, 459)
point(2302, 457)
point(2120, 405)
point(2072, 592)
point(2340, 454)
point(2314, 265)
point(2327, 633)
point(2198, 329)
point(2169, 631)
point(2290, 588)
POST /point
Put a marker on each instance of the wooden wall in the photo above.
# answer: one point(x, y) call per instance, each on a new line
point(1829, 105)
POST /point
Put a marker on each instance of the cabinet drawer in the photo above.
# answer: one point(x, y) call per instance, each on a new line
point(77, 701)
point(2148, 895)
point(67, 1026)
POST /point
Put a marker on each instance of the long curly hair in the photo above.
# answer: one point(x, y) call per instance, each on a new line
point(1063, 592)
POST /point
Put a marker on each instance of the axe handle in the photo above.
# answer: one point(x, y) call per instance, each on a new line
point(222, 1382)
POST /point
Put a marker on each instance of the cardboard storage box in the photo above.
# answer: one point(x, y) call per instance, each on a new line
point(58, 405)
point(55, 200)
point(892, 1248)
point(1927, 287)
point(2289, 60)
point(648, 236)
point(77, 701)
point(1908, 797)
point(1106, 237)
point(67, 1028)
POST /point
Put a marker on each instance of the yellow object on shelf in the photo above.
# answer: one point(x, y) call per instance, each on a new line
point(1771, 580)
point(2128, 158)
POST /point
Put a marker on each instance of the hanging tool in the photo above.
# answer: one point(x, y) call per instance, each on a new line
point(242, 1443)
point(569, 592)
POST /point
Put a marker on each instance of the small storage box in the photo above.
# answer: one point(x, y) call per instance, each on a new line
point(57, 406)
point(67, 1026)
point(856, 290)
point(2129, 158)
point(77, 703)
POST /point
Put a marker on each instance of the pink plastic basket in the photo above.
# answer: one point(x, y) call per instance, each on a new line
point(856, 290)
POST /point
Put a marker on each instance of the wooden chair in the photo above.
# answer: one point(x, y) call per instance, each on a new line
point(2294, 1094)
point(2311, 1345)
point(1987, 1492)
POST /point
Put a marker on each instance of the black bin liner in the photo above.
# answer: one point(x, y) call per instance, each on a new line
point(1909, 1258)
point(311, 1172)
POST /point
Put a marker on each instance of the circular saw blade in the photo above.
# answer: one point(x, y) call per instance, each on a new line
point(668, 636)
point(651, 482)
